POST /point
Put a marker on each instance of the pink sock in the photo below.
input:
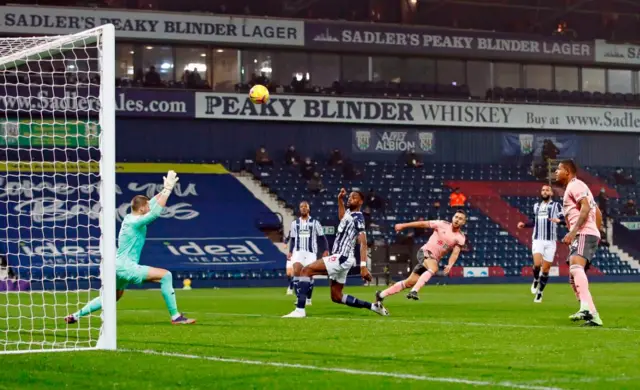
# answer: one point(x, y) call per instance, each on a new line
point(582, 285)
point(573, 286)
point(424, 278)
point(396, 288)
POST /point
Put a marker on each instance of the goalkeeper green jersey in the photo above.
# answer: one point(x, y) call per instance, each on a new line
point(133, 233)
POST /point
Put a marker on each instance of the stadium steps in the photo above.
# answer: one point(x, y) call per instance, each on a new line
point(270, 200)
point(624, 256)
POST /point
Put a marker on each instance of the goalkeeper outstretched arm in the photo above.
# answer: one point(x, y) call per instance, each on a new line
point(158, 202)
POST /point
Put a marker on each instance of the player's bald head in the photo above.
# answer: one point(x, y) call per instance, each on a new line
point(138, 202)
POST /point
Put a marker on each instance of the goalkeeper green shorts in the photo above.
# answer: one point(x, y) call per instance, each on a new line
point(128, 272)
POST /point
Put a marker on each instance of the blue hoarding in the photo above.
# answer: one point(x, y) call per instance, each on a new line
point(50, 223)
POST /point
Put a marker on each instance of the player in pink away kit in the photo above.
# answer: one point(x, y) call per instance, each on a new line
point(581, 215)
point(446, 238)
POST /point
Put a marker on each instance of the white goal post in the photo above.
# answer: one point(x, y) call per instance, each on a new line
point(57, 191)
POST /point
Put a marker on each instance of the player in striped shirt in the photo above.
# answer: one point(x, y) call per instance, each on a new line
point(547, 215)
point(337, 265)
point(303, 244)
point(584, 220)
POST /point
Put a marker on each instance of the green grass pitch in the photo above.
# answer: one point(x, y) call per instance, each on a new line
point(456, 337)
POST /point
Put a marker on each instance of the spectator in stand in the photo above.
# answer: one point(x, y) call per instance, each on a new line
point(315, 185)
point(374, 201)
point(630, 208)
point(307, 168)
point(194, 80)
point(262, 80)
point(457, 198)
point(549, 150)
point(152, 78)
point(622, 178)
point(291, 156)
point(298, 85)
point(262, 157)
point(185, 77)
point(335, 158)
point(138, 78)
point(602, 205)
point(349, 171)
point(412, 160)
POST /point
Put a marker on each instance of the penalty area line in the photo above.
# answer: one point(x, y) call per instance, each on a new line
point(347, 371)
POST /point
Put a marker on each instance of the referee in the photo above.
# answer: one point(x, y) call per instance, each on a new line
point(547, 215)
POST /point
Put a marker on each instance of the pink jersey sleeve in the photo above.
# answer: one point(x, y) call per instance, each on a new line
point(435, 225)
point(578, 191)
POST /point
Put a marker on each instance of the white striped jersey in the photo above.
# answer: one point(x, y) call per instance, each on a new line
point(304, 235)
point(544, 229)
point(351, 225)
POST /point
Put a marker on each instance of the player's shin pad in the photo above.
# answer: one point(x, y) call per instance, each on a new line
point(304, 283)
point(352, 301)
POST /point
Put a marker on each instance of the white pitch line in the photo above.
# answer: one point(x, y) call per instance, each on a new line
point(431, 322)
point(348, 371)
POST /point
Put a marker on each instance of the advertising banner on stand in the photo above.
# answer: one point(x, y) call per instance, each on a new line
point(416, 112)
point(152, 25)
point(402, 39)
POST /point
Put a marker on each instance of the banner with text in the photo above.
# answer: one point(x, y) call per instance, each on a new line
point(349, 37)
point(392, 141)
point(152, 25)
point(51, 222)
point(47, 100)
point(416, 112)
point(617, 53)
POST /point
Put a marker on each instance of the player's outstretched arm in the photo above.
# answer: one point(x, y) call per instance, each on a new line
point(341, 209)
point(159, 201)
point(416, 224)
point(455, 253)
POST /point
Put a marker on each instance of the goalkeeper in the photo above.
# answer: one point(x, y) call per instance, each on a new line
point(132, 236)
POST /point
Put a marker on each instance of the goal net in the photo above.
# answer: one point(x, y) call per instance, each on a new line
point(57, 191)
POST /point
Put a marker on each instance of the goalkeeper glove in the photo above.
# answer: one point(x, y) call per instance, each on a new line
point(169, 182)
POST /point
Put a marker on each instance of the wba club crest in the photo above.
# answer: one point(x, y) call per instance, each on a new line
point(426, 142)
point(363, 139)
point(526, 143)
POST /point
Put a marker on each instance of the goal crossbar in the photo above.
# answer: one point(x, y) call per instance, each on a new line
point(56, 45)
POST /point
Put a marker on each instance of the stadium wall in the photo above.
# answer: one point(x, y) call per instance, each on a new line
point(224, 139)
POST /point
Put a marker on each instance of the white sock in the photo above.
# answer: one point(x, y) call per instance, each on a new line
point(176, 316)
point(584, 306)
point(373, 307)
point(299, 310)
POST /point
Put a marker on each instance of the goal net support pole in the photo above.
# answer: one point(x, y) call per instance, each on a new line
point(42, 159)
